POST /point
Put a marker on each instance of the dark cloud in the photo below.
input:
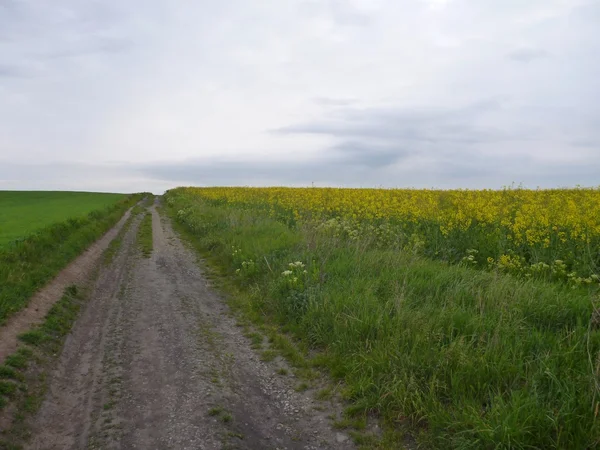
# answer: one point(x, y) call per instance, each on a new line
point(527, 54)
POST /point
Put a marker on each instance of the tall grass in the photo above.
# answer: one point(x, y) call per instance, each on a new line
point(551, 234)
point(28, 264)
point(473, 359)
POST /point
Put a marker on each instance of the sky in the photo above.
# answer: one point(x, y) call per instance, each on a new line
point(149, 95)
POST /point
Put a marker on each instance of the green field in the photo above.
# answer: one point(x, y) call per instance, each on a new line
point(41, 232)
point(24, 212)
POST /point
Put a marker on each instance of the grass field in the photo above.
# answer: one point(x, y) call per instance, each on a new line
point(22, 212)
point(471, 353)
point(43, 232)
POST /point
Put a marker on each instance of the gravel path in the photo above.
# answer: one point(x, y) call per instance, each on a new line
point(155, 361)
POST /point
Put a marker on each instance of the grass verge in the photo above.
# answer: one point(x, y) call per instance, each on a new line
point(29, 264)
point(469, 359)
point(26, 368)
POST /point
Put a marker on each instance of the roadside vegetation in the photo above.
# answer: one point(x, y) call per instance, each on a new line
point(23, 374)
point(468, 352)
point(545, 234)
point(33, 260)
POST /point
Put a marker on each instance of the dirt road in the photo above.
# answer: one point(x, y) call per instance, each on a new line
point(155, 361)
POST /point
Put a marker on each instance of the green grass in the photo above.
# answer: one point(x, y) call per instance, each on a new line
point(29, 263)
point(144, 237)
point(468, 358)
point(25, 212)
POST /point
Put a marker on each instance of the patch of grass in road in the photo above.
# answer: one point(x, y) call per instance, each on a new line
point(256, 340)
point(144, 237)
point(220, 412)
point(304, 386)
point(28, 264)
point(324, 394)
point(268, 355)
point(235, 434)
point(26, 369)
point(215, 411)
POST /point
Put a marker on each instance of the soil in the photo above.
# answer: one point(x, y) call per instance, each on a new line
point(157, 361)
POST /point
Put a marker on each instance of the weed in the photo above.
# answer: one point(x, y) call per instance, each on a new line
point(324, 394)
point(301, 387)
point(7, 388)
point(256, 340)
point(234, 434)
point(215, 411)
point(268, 355)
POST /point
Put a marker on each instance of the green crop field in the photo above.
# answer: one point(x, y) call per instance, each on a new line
point(41, 232)
point(22, 212)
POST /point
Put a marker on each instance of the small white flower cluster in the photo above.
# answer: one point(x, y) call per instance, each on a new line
point(183, 213)
point(235, 251)
point(294, 267)
point(470, 258)
point(246, 265)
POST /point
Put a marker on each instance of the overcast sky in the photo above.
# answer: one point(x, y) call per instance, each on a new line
point(136, 95)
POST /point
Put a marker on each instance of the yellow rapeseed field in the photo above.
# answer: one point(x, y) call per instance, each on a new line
point(555, 233)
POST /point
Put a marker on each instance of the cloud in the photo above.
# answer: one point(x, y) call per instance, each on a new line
point(400, 126)
point(359, 92)
point(326, 101)
point(11, 71)
point(91, 47)
point(527, 54)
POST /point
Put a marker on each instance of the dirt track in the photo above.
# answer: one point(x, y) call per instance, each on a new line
point(156, 362)
point(77, 272)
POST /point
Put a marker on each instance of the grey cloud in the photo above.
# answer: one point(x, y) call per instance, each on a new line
point(527, 54)
point(12, 71)
point(455, 169)
point(371, 155)
point(396, 126)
